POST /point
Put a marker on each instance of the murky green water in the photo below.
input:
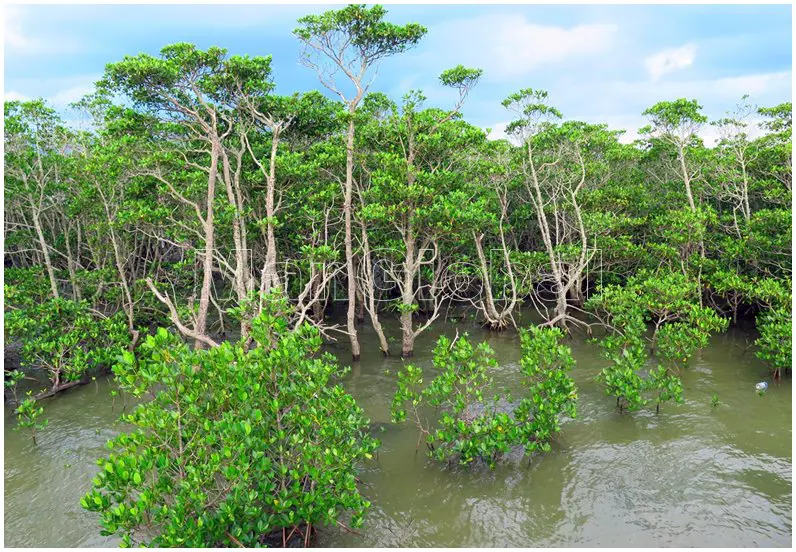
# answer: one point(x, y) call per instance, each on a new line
point(692, 476)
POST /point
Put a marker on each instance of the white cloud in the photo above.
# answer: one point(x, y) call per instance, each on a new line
point(58, 92)
point(763, 87)
point(520, 46)
point(18, 40)
point(14, 38)
point(509, 46)
point(670, 60)
point(14, 96)
point(498, 131)
point(69, 95)
point(755, 84)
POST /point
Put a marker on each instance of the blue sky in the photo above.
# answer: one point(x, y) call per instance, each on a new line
point(599, 63)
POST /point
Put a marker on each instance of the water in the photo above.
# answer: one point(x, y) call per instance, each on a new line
point(692, 476)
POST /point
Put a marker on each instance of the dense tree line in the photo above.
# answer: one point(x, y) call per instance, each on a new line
point(201, 201)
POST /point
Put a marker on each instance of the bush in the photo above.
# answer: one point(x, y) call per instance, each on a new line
point(237, 446)
point(668, 302)
point(776, 339)
point(472, 426)
point(67, 338)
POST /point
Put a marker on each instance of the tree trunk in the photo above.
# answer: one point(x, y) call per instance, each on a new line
point(686, 178)
point(349, 246)
point(272, 278)
point(207, 271)
point(544, 227)
point(128, 299)
point(360, 306)
point(46, 254)
point(70, 263)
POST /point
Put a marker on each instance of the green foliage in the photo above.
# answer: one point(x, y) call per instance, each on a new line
point(546, 364)
point(184, 73)
point(234, 445)
point(365, 29)
point(29, 416)
point(460, 77)
point(676, 116)
point(472, 425)
point(667, 301)
point(532, 110)
point(12, 380)
point(66, 338)
point(24, 287)
point(775, 344)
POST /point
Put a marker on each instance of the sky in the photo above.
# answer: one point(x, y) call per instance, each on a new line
point(601, 64)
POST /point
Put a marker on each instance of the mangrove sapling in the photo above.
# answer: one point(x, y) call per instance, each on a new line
point(473, 426)
point(67, 339)
point(667, 301)
point(774, 324)
point(776, 339)
point(29, 416)
point(545, 365)
point(11, 381)
point(238, 446)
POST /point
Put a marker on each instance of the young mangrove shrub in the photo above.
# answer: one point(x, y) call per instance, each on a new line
point(653, 317)
point(472, 425)
point(774, 322)
point(238, 446)
point(11, 381)
point(545, 365)
point(24, 287)
point(67, 338)
point(29, 416)
point(28, 411)
point(775, 344)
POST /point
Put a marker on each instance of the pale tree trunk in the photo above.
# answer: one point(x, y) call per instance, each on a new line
point(269, 212)
point(408, 295)
point(242, 275)
point(686, 178)
point(747, 212)
point(71, 263)
point(497, 319)
point(692, 205)
point(209, 227)
point(269, 279)
point(128, 298)
point(576, 290)
point(369, 292)
point(45, 252)
point(575, 274)
point(349, 246)
point(127, 302)
point(317, 306)
point(360, 317)
point(488, 303)
point(560, 313)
